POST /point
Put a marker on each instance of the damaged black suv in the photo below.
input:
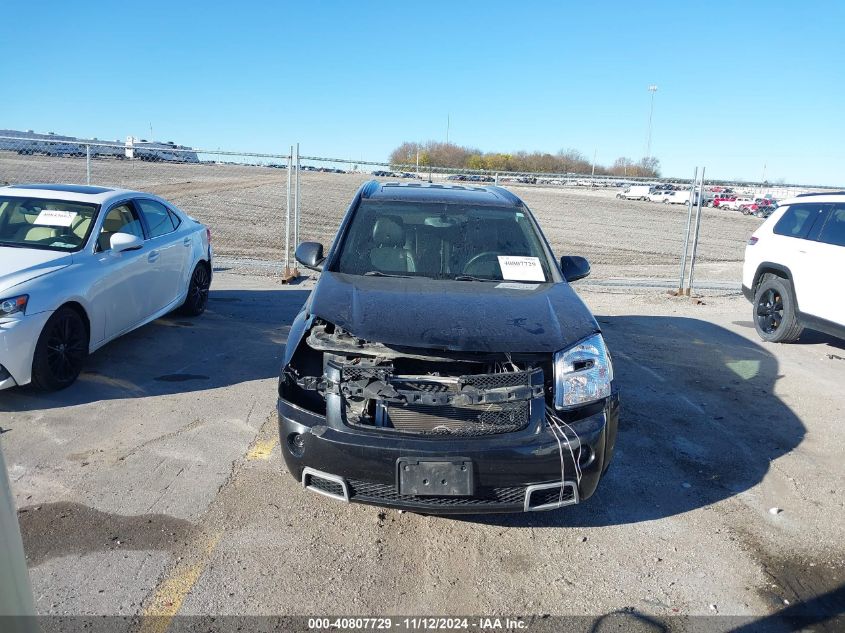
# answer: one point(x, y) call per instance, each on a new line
point(442, 363)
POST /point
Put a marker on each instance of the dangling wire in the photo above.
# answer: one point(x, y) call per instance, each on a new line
point(555, 424)
point(513, 367)
point(560, 451)
point(578, 461)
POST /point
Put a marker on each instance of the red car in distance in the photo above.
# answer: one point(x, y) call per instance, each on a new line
point(722, 197)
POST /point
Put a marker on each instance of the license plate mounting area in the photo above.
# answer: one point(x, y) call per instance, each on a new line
point(428, 478)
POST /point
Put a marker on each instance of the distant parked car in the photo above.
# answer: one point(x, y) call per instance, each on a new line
point(766, 211)
point(682, 196)
point(635, 192)
point(80, 266)
point(736, 204)
point(659, 195)
point(720, 199)
point(753, 207)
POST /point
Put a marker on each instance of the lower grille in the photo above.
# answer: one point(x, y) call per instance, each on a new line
point(474, 420)
point(550, 495)
point(376, 492)
point(324, 485)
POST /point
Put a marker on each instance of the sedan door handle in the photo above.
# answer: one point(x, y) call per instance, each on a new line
point(153, 256)
point(186, 241)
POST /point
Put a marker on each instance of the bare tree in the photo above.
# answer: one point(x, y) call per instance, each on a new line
point(439, 154)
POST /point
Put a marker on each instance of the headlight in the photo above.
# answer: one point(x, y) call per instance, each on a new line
point(582, 373)
point(13, 305)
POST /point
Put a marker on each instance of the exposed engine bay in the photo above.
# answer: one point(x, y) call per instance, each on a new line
point(415, 391)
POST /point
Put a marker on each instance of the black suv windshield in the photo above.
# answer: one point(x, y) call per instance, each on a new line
point(443, 241)
point(47, 224)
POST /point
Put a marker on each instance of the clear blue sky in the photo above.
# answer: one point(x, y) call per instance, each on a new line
point(741, 84)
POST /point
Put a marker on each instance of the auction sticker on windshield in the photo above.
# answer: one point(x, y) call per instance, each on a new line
point(53, 217)
point(517, 268)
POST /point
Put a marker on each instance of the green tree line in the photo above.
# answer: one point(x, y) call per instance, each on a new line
point(437, 154)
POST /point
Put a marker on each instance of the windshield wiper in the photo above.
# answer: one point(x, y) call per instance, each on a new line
point(378, 273)
point(471, 278)
point(14, 244)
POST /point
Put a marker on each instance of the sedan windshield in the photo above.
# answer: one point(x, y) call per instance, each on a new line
point(443, 241)
point(47, 224)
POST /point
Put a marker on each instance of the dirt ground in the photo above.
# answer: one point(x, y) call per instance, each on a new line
point(245, 207)
point(155, 485)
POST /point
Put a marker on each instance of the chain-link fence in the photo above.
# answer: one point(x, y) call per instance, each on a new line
point(241, 196)
point(250, 201)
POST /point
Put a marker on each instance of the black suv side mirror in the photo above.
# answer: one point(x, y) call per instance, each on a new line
point(310, 255)
point(574, 267)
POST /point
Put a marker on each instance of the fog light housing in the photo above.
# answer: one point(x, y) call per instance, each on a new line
point(296, 444)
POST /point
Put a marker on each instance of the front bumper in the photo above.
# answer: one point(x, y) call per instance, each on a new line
point(512, 472)
point(18, 338)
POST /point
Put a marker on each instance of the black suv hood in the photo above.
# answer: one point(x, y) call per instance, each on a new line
point(462, 316)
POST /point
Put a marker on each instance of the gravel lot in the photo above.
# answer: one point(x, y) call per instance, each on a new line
point(155, 484)
point(245, 207)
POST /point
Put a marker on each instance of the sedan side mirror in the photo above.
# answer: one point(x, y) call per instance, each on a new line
point(574, 267)
point(310, 255)
point(121, 242)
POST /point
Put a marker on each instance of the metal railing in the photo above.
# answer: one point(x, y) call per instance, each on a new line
point(241, 195)
point(254, 201)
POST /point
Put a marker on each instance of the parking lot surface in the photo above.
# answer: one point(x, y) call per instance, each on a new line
point(155, 485)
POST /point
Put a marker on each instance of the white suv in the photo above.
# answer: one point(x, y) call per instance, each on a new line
point(794, 271)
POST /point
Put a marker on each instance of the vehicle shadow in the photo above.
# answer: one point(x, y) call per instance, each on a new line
point(808, 337)
point(813, 337)
point(699, 423)
point(239, 338)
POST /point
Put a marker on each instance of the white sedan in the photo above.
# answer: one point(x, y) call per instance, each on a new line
point(81, 265)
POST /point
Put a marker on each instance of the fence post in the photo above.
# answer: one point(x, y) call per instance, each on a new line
point(297, 200)
point(697, 230)
point(87, 164)
point(686, 237)
point(287, 217)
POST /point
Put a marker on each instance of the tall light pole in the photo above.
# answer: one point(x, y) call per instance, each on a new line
point(652, 89)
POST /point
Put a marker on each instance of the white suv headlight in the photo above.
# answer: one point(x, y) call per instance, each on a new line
point(13, 305)
point(582, 373)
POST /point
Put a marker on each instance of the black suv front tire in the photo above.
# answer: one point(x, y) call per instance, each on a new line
point(774, 311)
